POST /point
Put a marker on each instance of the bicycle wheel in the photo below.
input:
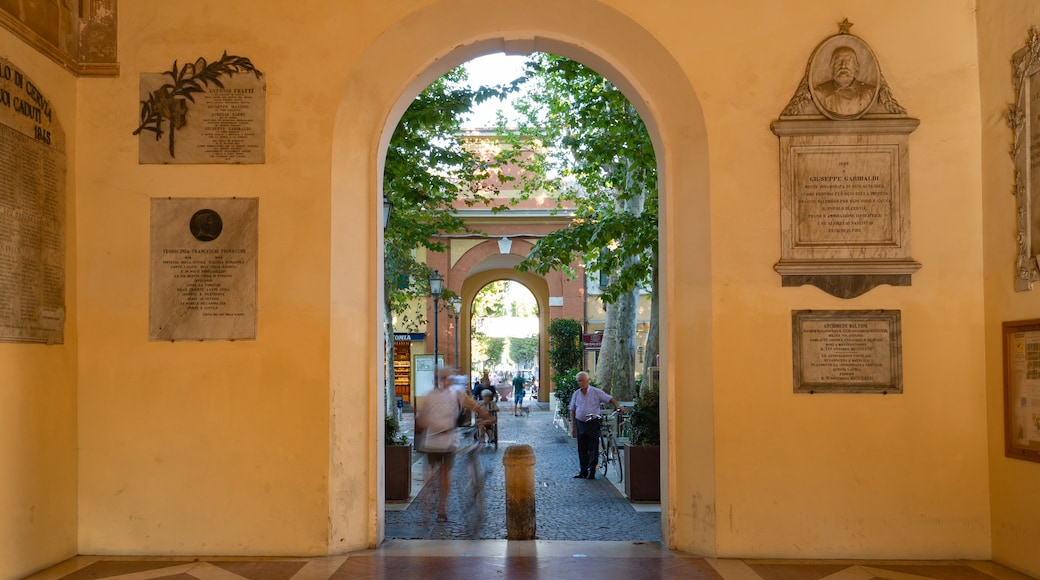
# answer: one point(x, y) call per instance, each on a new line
point(604, 455)
point(616, 454)
point(475, 511)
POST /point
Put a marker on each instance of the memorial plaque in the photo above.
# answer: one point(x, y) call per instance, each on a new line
point(32, 213)
point(844, 175)
point(213, 113)
point(1022, 390)
point(835, 200)
point(203, 269)
point(847, 351)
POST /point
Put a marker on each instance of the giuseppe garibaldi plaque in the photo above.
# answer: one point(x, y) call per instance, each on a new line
point(844, 175)
point(203, 269)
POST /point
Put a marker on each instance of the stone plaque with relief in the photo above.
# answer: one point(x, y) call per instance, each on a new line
point(203, 269)
point(203, 112)
point(844, 175)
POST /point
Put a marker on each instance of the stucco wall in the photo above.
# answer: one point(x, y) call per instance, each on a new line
point(1003, 30)
point(272, 446)
point(845, 474)
point(38, 384)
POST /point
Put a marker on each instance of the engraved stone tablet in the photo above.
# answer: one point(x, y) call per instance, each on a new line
point(844, 175)
point(213, 113)
point(32, 213)
point(203, 270)
point(847, 351)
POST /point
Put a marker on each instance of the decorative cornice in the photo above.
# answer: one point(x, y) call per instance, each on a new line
point(44, 47)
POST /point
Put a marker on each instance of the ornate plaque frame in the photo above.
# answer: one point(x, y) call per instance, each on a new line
point(1023, 117)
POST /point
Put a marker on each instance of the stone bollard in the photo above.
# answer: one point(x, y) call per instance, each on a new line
point(519, 464)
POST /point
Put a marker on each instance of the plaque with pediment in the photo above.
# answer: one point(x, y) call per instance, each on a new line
point(844, 174)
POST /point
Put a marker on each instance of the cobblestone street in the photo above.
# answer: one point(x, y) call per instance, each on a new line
point(566, 508)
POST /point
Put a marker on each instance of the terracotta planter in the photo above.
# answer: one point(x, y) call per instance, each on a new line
point(398, 477)
point(642, 472)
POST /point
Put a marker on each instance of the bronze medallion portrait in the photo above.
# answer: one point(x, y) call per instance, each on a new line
point(206, 225)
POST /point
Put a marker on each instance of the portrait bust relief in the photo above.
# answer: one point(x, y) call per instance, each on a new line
point(843, 75)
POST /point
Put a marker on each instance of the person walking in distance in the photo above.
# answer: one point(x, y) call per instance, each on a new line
point(518, 393)
point(585, 423)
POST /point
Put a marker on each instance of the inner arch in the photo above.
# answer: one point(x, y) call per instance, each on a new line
point(384, 80)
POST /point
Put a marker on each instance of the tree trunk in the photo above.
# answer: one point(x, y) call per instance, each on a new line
point(653, 333)
point(605, 361)
point(624, 366)
point(388, 368)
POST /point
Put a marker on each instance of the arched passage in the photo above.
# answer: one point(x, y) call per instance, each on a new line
point(538, 287)
point(381, 84)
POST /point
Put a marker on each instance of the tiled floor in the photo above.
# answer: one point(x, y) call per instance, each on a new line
point(490, 559)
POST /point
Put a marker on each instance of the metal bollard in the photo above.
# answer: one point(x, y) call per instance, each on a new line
point(520, 511)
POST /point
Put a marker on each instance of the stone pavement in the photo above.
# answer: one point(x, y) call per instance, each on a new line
point(566, 508)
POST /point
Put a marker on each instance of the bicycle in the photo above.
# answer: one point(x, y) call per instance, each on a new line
point(608, 448)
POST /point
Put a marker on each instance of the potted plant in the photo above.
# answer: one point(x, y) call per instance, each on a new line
point(642, 456)
point(398, 461)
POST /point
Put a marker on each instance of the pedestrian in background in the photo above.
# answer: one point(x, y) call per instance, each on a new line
point(518, 393)
point(586, 421)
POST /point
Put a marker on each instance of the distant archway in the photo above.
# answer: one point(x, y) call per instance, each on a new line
point(400, 62)
point(538, 287)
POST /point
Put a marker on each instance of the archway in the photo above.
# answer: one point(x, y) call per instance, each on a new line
point(383, 81)
point(538, 287)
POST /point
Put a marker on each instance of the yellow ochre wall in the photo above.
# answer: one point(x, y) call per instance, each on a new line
point(273, 446)
point(1003, 30)
point(38, 382)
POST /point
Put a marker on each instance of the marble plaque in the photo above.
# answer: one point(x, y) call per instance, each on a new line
point(847, 351)
point(223, 121)
point(203, 269)
point(32, 213)
point(844, 175)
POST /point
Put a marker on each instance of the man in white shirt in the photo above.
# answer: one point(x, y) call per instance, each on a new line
point(585, 423)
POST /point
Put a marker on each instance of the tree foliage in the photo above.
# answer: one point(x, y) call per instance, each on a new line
point(586, 141)
point(524, 350)
point(565, 347)
point(427, 170)
point(581, 137)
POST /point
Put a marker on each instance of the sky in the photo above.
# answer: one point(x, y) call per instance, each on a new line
point(492, 69)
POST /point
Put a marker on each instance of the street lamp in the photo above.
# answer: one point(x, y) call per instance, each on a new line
point(436, 285)
point(456, 304)
point(387, 206)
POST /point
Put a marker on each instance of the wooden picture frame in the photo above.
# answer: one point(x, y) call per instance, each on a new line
point(1021, 341)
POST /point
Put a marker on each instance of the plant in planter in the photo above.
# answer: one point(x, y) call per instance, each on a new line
point(643, 455)
point(646, 418)
point(398, 460)
point(566, 383)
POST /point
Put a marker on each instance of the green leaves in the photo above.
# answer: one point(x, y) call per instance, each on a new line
point(565, 347)
point(586, 141)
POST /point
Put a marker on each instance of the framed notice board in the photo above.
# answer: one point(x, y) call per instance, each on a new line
point(1022, 389)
